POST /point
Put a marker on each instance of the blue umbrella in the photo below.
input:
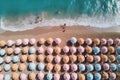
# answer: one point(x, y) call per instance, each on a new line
point(96, 50)
point(113, 67)
point(97, 67)
point(118, 49)
point(90, 67)
point(73, 40)
point(81, 67)
point(49, 76)
point(89, 76)
point(40, 66)
point(97, 76)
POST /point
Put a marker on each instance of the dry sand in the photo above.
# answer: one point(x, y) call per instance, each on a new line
point(63, 32)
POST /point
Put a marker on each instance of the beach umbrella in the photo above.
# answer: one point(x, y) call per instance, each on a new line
point(25, 41)
point(110, 41)
point(65, 49)
point(81, 67)
point(32, 50)
point(97, 59)
point(56, 76)
point(49, 50)
point(88, 49)
point(89, 76)
point(90, 67)
point(88, 41)
point(22, 67)
point(23, 76)
point(10, 42)
point(49, 76)
point(40, 58)
point(7, 77)
point(2, 52)
point(118, 49)
point(118, 58)
point(96, 50)
point(15, 76)
point(73, 58)
point(18, 42)
point(81, 58)
point(57, 67)
point(80, 41)
point(25, 50)
point(15, 59)
point(40, 50)
point(65, 59)
point(106, 66)
point(73, 50)
point(31, 76)
point(49, 40)
point(104, 58)
point(74, 67)
point(117, 41)
point(31, 66)
point(89, 58)
point(41, 41)
point(81, 76)
point(8, 59)
point(57, 50)
point(40, 66)
point(74, 76)
point(49, 58)
point(49, 67)
point(40, 75)
point(31, 58)
point(118, 67)
point(112, 76)
point(57, 41)
point(23, 58)
point(32, 41)
point(9, 51)
point(66, 76)
point(113, 67)
point(1, 60)
point(7, 67)
point(112, 58)
point(65, 67)
point(73, 40)
point(57, 59)
point(111, 49)
point(105, 75)
point(14, 67)
point(17, 50)
point(81, 49)
point(2, 43)
point(96, 41)
point(1, 76)
point(97, 76)
point(103, 41)
point(97, 67)
point(104, 49)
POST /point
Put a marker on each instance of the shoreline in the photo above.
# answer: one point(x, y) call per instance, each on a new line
point(45, 32)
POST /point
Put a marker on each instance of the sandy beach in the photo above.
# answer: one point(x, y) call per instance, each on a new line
point(60, 31)
point(65, 33)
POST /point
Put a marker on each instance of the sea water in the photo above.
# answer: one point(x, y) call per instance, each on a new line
point(19, 15)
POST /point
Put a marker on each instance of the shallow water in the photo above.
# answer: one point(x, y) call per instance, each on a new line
point(27, 14)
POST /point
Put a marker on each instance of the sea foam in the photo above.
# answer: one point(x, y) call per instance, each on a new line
point(32, 21)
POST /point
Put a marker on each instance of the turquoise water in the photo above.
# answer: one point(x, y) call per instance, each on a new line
point(65, 7)
point(95, 13)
